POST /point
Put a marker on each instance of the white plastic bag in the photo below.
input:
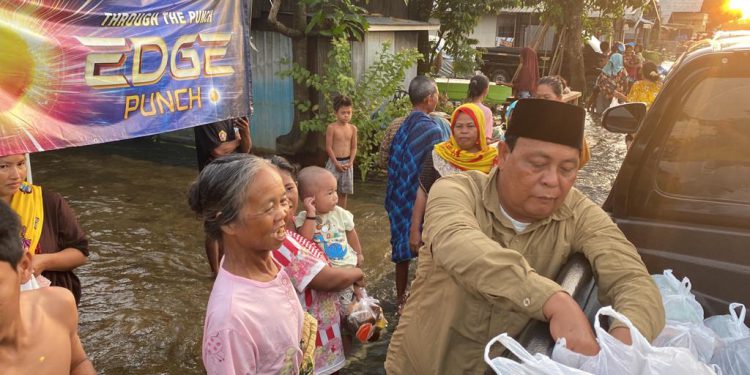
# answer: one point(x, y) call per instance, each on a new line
point(679, 303)
point(35, 283)
point(732, 354)
point(731, 326)
point(734, 357)
point(640, 358)
point(538, 364)
point(695, 337)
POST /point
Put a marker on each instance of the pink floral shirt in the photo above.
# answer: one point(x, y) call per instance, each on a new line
point(303, 260)
point(252, 327)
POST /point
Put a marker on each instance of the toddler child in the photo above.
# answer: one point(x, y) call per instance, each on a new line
point(328, 225)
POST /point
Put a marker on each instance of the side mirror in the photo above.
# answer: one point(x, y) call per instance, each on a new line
point(625, 118)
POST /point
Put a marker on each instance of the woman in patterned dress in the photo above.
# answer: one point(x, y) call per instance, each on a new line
point(314, 279)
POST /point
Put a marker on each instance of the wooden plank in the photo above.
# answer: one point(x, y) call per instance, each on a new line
point(572, 97)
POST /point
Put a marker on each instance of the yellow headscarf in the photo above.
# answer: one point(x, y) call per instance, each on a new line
point(27, 203)
point(483, 160)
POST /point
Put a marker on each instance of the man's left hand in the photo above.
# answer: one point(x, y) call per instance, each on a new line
point(622, 334)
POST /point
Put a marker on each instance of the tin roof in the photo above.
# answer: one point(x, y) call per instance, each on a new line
point(382, 23)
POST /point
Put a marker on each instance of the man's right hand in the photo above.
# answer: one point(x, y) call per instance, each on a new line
point(242, 123)
point(566, 319)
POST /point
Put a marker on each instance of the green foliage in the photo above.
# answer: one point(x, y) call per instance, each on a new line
point(336, 18)
point(372, 95)
point(458, 18)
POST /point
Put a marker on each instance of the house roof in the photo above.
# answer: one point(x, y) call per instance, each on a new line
point(667, 7)
point(518, 10)
point(631, 14)
point(382, 23)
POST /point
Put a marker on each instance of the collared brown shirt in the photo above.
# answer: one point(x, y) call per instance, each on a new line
point(478, 278)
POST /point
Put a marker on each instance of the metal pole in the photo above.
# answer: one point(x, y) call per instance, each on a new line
point(29, 179)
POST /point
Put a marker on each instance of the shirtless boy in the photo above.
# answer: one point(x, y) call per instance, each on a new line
point(341, 145)
point(38, 328)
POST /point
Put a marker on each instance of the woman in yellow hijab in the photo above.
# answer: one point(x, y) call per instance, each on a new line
point(50, 230)
point(466, 150)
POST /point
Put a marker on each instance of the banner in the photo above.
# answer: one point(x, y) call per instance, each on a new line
point(79, 72)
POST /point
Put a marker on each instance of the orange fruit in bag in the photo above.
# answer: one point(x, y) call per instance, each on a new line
point(363, 333)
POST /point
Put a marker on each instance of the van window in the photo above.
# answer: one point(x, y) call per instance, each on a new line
point(707, 155)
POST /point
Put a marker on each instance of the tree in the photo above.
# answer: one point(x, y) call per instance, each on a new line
point(458, 18)
point(335, 18)
point(374, 106)
point(573, 16)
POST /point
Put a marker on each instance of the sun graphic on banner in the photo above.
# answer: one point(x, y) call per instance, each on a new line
point(17, 70)
point(213, 95)
point(31, 63)
point(30, 71)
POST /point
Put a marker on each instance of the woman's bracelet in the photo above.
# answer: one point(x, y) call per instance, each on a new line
point(310, 218)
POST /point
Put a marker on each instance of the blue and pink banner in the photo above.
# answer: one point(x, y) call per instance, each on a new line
point(79, 72)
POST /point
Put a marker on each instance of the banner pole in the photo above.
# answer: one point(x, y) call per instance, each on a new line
point(29, 179)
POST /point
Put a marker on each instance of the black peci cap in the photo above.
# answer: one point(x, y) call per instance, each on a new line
point(549, 121)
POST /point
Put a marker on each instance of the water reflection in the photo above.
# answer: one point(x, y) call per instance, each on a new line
point(146, 285)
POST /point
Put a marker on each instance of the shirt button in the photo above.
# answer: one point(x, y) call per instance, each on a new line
point(526, 302)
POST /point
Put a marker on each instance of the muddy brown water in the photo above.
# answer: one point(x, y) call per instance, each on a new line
point(146, 284)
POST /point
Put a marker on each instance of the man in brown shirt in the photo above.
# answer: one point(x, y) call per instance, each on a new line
point(493, 243)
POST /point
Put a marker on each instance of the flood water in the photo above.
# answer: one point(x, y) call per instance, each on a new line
point(147, 282)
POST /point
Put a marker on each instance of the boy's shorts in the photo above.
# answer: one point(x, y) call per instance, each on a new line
point(344, 179)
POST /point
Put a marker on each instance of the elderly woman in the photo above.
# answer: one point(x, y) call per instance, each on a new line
point(254, 321)
point(51, 233)
point(466, 150)
point(315, 280)
point(552, 88)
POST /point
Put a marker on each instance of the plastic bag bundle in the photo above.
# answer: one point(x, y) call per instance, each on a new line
point(695, 337)
point(538, 364)
point(366, 319)
point(617, 358)
point(731, 326)
point(732, 354)
point(679, 303)
point(35, 283)
point(734, 357)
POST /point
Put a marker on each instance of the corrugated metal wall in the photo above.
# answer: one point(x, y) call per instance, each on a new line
point(273, 96)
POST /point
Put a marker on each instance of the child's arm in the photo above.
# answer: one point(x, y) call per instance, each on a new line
point(307, 229)
point(353, 150)
point(331, 279)
point(353, 240)
point(417, 216)
point(329, 147)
